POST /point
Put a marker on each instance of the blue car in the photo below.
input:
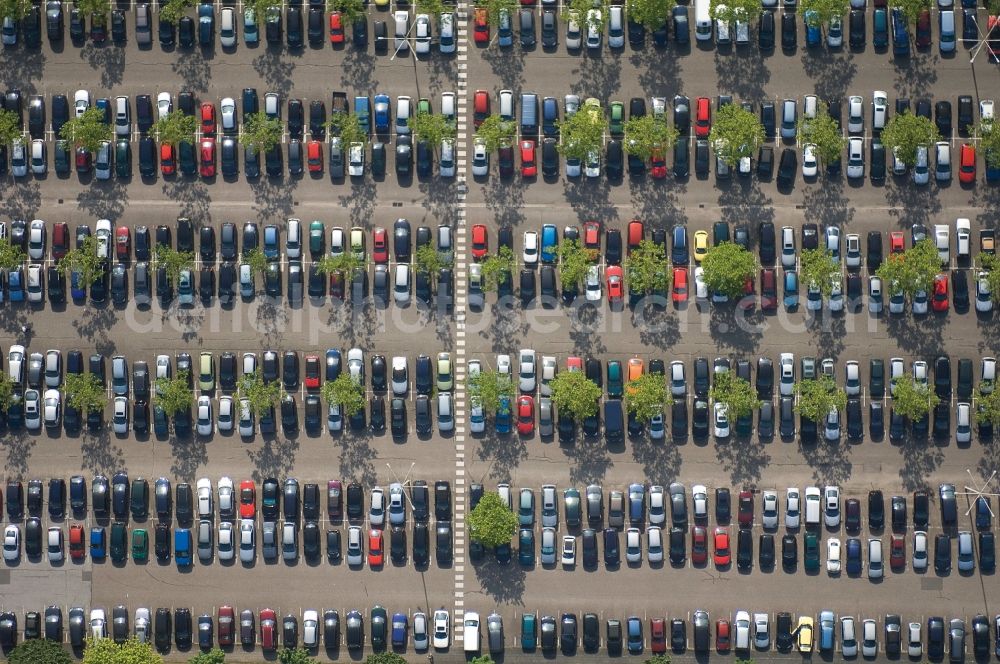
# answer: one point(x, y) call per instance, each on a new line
point(983, 514)
point(550, 243)
point(826, 627)
point(526, 547)
point(813, 33)
point(399, 630)
point(362, 110)
point(900, 34)
point(382, 119)
point(15, 284)
point(182, 547)
point(992, 172)
point(529, 631)
point(853, 556)
point(503, 416)
point(98, 546)
point(206, 24)
point(791, 291)
point(271, 250)
point(634, 629)
point(505, 30)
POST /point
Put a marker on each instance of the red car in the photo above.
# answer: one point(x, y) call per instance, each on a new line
point(248, 499)
point(746, 509)
point(680, 285)
point(923, 36)
point(167, 164)
point(659, 164)
point(636, 232)
point(749, 299)
point(574, 363)
point(480, 243)
point(482, 26)
point(207, 117)
point(207, 168)
point(60, 239)
point(77, 543)
point(703, 117)
point(312, 372)
point(897, 553)
point(227, 618)
point(337, 284)
point(699, 545)
point(268, 629)
point(897, 243)
point(616, 285)
point(967, 164)
point(525, 415)
point(722, 643)
point(658, 635)
point(336, 28)
point(480, 107)
point(940, 299)
point(375, 553)
point(592, 234)
point(993, 40)
point(528, 167)
point(380, 247)
point(314, 156)
point(768, 290)
point(84, 160)
point(722, 555)
point(123, 243)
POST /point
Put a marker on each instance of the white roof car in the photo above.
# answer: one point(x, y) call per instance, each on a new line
point(119, 418)
point(402, 114)
point(914, 643)
point(530, 251)
point(446, 32)
point(568, 551)
point(480, 158)
point(869, 638)
point(81, 102)
point(226, 551)
point(225, 488)
point(761, 631)
point(226, 414)
point(573, 34)
point(376, 515)
point(592, 23)
point(204, 416)
point(792, 507)
point(246, 419)
point(920, 372)
point(400, 376)
point(503, 364)
point(786, 362)
point(919, 550)
point(592, 285)
point(963, 237)
point(942, 240)
point(986, 111)
point(848, 638)
point(654, 544)
point(921, 166)
point(770, 500)
point(355, 546)
point(356, 159)
point(810, 162)
point(420, 635)
point(98, 624)
point(310, 628)
point(422, 34)
point(855, 114)
point(51, 407)
point(442, 631)
point(855, 157)
point(896, 368)
point(833, 555)
point(337, 241)
point(721, 428)
point(700, 287)
point(742, 624)
point(657, 506)
point(477, 416)
point(699, 499)
point(984, 294)
point(141, 623)
point(678, 382)
point(875, 294)
point(526, 372)
point(880, 109)
point(164, 105)
point(248, 548)
point(397, 504)
point(54, 550)
point(228, 112)
point(852, 374)
point(633, 546)
point(852, 250)
point(831, 506)
point(204, 489)
point(548, 375)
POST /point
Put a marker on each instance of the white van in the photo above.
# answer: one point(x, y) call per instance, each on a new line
point(874, 558)
point(227, 27)
point(809, 107)
point(293, 241)
point(470, 632)
point(616, 26)
point(942, 161)
point(123, 120)
point(402, 114)
point(946, 20)
point(446, 33)
point(402, 20)
point(814, 507)
point(702, 20)
point(448, 109)
point(507, 105)
point(963, 238)
point(503, 489)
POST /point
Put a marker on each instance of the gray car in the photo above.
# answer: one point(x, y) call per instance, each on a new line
point(678, 505)
point(336, 158)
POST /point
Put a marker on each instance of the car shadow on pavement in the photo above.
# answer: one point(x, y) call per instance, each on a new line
point(503, 452)
point(919, 458)
point(829, 461)
point(100, 454)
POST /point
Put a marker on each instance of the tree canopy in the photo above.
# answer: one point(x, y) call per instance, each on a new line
point(39, 651)
point(736, 133)
point(574, 261)
point(650, 13)
point(575, 394)
point(817, 397)
point(261, 132)
point(88, 130)
point(175, 127)
point(344, 392)
point(824, 133)
point(10, 127)
point(497, 133)
point(497, 267)
point(350, 10)
point(261, 395)
point(583, 132)
point(489, 386)
point(106, 651)
point(905, 132)
point(647, 134)
point(173, 395)
point(647, 268)
point(83, 259)
point(911, 399)
point(739, 395)
point(818, 266)
point(646, 396)
point(85, 392)
point(492, 523)
point(912, 270)
point(727, 266)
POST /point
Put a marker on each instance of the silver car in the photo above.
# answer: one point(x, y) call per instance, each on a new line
point(248, 547)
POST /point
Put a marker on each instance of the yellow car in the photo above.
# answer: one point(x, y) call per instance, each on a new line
point(804, 630)
point(381, 3)
point(700, 245)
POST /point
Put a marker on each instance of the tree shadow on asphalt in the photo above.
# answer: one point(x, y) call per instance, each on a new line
point(189, 320)
point(17, 446)
point(989, 463)
point(826, 204)
point(657, 74)
point(830, 462)
point(591, 199)
point(192, 196)
point(439, 198)
point(503, 452)
point(442, 74)
point(589, 459)
point(988, 325)
point(832, 72)
point(733, 329)
point(104, 200)
point(278, 74)
point(272, 321)
point(910, 204)
point(920, 336)
point(194, 69)
point(357, 457)
point(586, 322)
point(354, 324)
point(94, 323)
point(917, 75)
point(358, 71)
point(274, 458)
point(273, 197)
point(661, 462)
point(987, 201)
point(744, 460)
point(919, 458)
point(745, 203)
point(504, 198)
point(109, 60)
point(744, 75)
point(189, 455)
point(13, 318)
point(506, 329)
point(658, 326)
point(658, 202)
point(24, 69)
point(20, 200)
point(598, 75)
point(503, 583)
point(100, 455)
point(507, 65)
point(829, 330)
point(360, 203)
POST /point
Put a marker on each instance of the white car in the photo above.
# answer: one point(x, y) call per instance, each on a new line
point(761, 631)
point(836, 300)
point(921, 166)
point(855, 114)
point(356, 365)
point(119, 418)
point(310, 628)
point(831, 506)
point(792, 507)
point(98, 624)
point(574, 38)
point(397, 504)
point(592, 285)
point(102, 232)
point(141, 623)
point(852, 378)
point(36, 239)
point(480, 158)
point(530, 251)
point(786, 384)
point(246, 425)
point(477, 416)
point(503, 364)
point(848, 637)
point(869, 638)
point(204, 416)
point(356, 159)
point(442, 629)
point(699, 501)
point(770, 500)
point(400, 375)
point(81, 102)
point(833, 555)
point(422, 34)
point(914, 644)
point(919, 550)
point(226, 492)
point(248, 547)
point(657, 507)
point(526, 373)
point(355, 547)
point(721, 428)
point(810, 162)
point(880, 109)
point(742, 631)
point(228, 112)
point(855, 157)
point(568, 551)
point(204, 490)
point(984, 295)
point(633, 546)
point(814, 297)
point(852, 250)
point(875, 294)
point(919, 304)
point(986, 112)
point(420, 635)
point(593, 165)
point(164, 105)
point(592, 24)
point(11, 543)
point(700, 287)
point(654, 544)
point(920, 372)
point(226, 414)
point(376, 513)
point(226, 551)
point(548, 375)
point(51, 407)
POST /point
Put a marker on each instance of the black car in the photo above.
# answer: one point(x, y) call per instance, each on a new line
point(404, 156)
point(789, 32)
point(701, 158)
point(147, 157)
point(787, 167)
point(550, 158)
point(765, 32)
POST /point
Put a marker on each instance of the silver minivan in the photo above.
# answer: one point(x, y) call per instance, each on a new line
point(123, 117)
point(946, 21)
point(446, 419)
point(402, 22)
point(942, 161)
point(875, 566)
point(789, 116)
point(401, 284)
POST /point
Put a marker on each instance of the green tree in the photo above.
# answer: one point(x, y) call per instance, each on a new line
point(739, 395)
point(582, 9)
point(83, 259)
point(16, 9)
point(11, 256)
point(991, 268)
point(88, 130)
point(819, 396)
point(350, 10)
point(6, 391)
point(911, 9)
point(574, 261)
point(495, 266)
point(583, 133)
point(10, 126)
point(647, 133)
point(819, 267)
point(346, 262)
point(91, 7)
point(989, 408)
point(727, 266)
point(497, 133)
point(431, 127)
point(912, 399)
point(912, 270)
point(177, 126)
point(348, 127)
point(256, 260)
point(658, 659)
point(261, 132)
point(173, 395)
point(988, 135)
point(344, 392)
point(261, 395)
point(489, 387)
point(213, 656)
point(823, 132)
point(428, 260)
point(85, 392)
point(647, 268)
point(495, 7)
point(575, 394)
point(260, 9)
point(736, 133)
point(492, 523)
point(39, 651)
point(904, 132)
point(482, 659)
point(174, 261)
point(106, 651)
point(733, 10)
point(820, 12)
point(295, 656)
point(650, 13)
point(172, 10)
point(646, 396)
point(385, 658)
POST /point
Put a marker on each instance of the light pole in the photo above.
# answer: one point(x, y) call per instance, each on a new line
point(976, 50)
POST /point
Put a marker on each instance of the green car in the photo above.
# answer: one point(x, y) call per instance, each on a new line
point(119, 542)
point(529, 631)
point(424, 106)
point(615, 384)
point(63, 165)
point(123, 158)
point(317, 241)
point(140, 545)
point(812, 552)
point(617, 124)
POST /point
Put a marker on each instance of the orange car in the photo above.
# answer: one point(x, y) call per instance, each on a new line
point(248, 499)
point(680, 293)
point(967, 165)
point(375, 550)
point(167, 164)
